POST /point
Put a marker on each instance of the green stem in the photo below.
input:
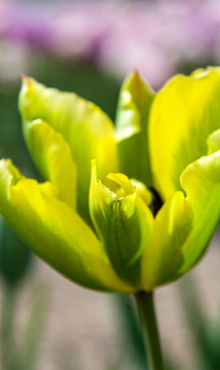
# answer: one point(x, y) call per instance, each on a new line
point(149, 326)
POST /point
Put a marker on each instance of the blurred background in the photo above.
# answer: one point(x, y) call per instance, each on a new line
point(88, 47)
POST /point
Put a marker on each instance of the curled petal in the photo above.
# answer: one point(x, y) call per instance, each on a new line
point(122, 223)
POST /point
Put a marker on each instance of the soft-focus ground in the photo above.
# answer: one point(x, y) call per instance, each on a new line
point(81, 331)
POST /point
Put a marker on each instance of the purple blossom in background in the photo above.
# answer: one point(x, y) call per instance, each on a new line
point(156, 37)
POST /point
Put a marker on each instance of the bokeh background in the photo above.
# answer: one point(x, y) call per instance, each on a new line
point(88, 47)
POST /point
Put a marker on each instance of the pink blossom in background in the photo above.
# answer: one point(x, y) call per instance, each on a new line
point(157, 37)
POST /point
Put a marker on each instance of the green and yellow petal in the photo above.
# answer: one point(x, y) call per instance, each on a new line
point(53, 158)
point(123, 223)
point(185, 224)
point(134, 105)
point(54, 231)
point(201, 182)
point(163, 255)
point(87, 130)
point(184, 113)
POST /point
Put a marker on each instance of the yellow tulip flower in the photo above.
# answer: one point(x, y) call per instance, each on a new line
point(123, 208)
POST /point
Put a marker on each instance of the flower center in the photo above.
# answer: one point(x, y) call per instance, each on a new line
point(156, 202)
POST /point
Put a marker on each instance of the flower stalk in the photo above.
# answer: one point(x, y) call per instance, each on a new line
point(148, 320)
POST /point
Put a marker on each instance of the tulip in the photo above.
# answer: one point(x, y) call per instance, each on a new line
point(124, 209)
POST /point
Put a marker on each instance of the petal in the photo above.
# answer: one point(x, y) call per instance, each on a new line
point(143, 191)
point(53, 158)
point(184, 226)
point(54, 231)
point(87, 130)
point(214, 142)
point(183, 115)
point(131, 127)
point(163, 255)
point(201, 182)
point(123, 225)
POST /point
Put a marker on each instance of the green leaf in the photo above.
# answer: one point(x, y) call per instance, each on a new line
point(131, 128)
point(15, 256)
